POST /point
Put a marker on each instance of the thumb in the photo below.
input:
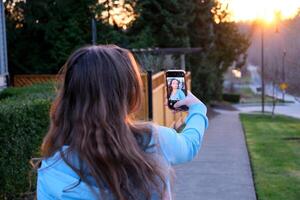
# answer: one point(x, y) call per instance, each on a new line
point(179, 103)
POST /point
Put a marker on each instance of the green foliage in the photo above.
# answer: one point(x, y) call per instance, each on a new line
point(44, 91)
point(24, 121)
point(22, 126)
point(273, 145)
point(161, 23)
point(202, 35)
point(222, 44)
point(112, 35)
point(52, 29)
point(142, 39)
point(233, 98)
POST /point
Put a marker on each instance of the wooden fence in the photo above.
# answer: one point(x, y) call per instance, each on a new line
point(26, 80)
point(161, 114)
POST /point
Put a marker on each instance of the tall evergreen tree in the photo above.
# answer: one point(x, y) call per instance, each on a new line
point(222, 44)
point(165, 21)
point(41, 34)
point(230, 46)
point(202, 35)
point(44, 33)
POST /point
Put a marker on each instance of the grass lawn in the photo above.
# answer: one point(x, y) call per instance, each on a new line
point(274, 147)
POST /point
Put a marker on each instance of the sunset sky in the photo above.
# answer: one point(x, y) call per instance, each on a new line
point(248, 10)
point(123, 13)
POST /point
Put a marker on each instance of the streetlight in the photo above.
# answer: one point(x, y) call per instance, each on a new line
point(262, 71)
point(283, 73)
point(283, 84)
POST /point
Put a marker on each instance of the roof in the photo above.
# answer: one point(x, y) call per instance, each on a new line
point(167, 50)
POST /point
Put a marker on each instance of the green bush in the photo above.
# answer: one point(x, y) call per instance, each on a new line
point(45, 90)
point(233, 98)
point(24, 114)
point(22, 127)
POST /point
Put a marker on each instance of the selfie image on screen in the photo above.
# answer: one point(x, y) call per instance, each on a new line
point(176, 88)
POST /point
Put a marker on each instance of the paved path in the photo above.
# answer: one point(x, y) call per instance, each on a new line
point(221, 171)
point(289, 109)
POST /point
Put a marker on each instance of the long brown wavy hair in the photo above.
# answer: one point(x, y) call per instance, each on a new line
point(92, 114)
point(170, 88)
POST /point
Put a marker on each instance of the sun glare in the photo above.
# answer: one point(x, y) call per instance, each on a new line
point(120, 13)
point(266, 10)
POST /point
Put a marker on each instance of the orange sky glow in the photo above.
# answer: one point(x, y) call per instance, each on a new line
point(249, 10)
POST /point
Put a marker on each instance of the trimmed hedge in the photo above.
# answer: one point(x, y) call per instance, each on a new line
point(24, 122)
point(43, 91)
point(233, 98)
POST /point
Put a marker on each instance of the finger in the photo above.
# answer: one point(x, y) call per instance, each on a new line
point(179, 103)
point(176, 111)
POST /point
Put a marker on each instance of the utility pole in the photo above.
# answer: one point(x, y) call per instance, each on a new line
point(94, 31)
point(283, 72)
point(262, 71)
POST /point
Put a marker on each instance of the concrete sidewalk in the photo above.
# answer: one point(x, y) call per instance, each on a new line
point(221, 171)
point(291, 109)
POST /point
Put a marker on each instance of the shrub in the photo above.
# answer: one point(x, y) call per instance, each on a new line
point(45, 90)
point(233, 98)
point(24, 122)
point(22, 127)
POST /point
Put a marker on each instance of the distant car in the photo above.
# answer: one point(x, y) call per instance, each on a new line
point(258, 89)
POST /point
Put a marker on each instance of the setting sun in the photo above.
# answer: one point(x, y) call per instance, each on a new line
point(248, 10)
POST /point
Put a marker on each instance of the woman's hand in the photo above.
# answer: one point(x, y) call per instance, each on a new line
point(189, 100)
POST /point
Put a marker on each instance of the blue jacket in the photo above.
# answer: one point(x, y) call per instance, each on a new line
point(178, 96)
point(56, 180)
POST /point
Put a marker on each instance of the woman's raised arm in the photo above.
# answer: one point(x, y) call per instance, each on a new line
point(182, 147)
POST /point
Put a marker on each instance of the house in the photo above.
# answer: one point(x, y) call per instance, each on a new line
point(3, 49)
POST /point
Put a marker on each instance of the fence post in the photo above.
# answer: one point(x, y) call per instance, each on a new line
point(182, 61)
point(150, 101)
point(8, 81)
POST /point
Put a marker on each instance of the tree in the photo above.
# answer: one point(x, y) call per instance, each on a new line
point(222, 45)
point(201, 35)
point(165, 21)
point(41, 34)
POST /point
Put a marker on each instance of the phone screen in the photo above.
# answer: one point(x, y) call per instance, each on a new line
point(176, 88)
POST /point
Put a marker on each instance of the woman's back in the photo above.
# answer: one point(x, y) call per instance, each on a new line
point(93, 150)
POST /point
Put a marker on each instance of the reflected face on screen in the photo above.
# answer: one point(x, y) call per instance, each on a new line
point(175, 84)
point(176, 88)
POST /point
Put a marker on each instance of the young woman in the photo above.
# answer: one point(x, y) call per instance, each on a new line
point(175, 92)
point(94, 149)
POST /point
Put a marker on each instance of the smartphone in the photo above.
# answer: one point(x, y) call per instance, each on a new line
point(176, 88)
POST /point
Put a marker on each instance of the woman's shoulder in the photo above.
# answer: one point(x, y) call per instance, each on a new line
point(56, 179)
point(56, 162)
